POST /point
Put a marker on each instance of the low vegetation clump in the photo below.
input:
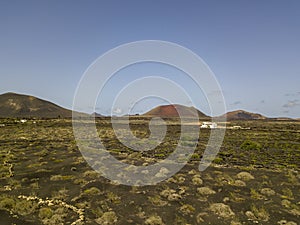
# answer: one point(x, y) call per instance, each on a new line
point(154, 220)
point(92, 191)
point(170, 194)
point(156, 200)
point(245, 176)
point(107, 218)
point(222, 210)
point(258, 214)
point(239, 183)
point(187, 209)
point(267, 192)
point(45, 213)
point(61, 177)
point(24, 207)
point(7, 203)
point(285, 222)
point(255, 194)
point(250, 145)
point(197, 180)
point(205, 191)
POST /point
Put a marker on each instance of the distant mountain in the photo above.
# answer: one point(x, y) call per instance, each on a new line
point(17, 105)
point(14, 105)
point(243, 115)
point(95, 114)
point(282, 118)
point(172, 111)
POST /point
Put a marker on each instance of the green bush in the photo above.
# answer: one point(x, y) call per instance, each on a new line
point(195, 156)
point(92, 191)
point(61, 177)
point(218, 160)
point(250, 145)
point(45, 213)
point(24, 207)
point(6, 203)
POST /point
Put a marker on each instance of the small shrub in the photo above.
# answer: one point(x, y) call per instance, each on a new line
point(267, 191)
point(195, 156)
point(56, 219)
point(260, 213)
point(156, 200)
point(221, 210)
point(218, 160)
point(107, 218)
point(113, 198)
point(45, 213)
point(205, 191)
point(187, 209)
point(255, 194)
point(239, 183)
point(188, 143)
point(160, 155)
point(245, 176)
point(287, 193)
point(24, 207)
point(91, 174)
point(61, 177)
point(154, 220)
point(250, 145)
point(286, 203)
point(197, 180)
point(6, 203)
point(92, 191)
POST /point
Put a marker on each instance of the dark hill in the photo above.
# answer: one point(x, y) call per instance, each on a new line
point(172, 111)
point(243, 115)
point(17, 105)
point(97, 115)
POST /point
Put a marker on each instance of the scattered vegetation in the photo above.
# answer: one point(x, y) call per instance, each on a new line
point(107, 218)
point(254, 179)
point(250, 145)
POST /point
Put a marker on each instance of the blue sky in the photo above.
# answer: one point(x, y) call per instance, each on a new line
point(253, 47)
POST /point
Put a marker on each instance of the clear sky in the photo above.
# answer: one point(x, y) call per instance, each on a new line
point(253, 47)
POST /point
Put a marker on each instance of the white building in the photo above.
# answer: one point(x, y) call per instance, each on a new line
point(210, 125)
point(204, 126)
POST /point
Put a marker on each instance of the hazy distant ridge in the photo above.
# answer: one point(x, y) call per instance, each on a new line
point(18, 105)
point(243, 115)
